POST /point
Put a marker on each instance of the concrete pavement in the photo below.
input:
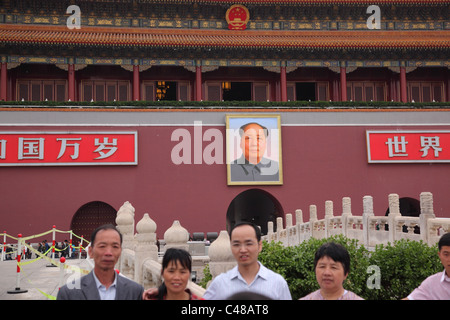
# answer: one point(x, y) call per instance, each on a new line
point(39, 279)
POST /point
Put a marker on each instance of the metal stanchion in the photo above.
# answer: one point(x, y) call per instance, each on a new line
point(4, 246)
point(81, 246)
point(62, 261)
point(17, 289)
point(70, 244)
point(53, 247)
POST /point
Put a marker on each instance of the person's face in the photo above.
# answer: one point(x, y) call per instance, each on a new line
point(253, 143)
point(444, 256)
point(106, 249)
point(330, 274)
point(244, 245)
point(175, 277)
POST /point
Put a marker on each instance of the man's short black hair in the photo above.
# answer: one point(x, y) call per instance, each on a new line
point(335, 251)
point(242, 128)
point(105, 227)
point(254, 226)
point(444, 241)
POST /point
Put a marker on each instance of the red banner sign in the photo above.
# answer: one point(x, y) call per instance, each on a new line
point(408, 146)
point(67, 148)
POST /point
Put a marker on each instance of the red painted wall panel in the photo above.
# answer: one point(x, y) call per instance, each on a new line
point(319, 163)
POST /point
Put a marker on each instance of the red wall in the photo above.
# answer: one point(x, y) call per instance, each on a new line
point(320, 163)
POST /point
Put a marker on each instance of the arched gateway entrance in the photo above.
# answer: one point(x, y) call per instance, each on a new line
point(90, 216)
point(256, 206)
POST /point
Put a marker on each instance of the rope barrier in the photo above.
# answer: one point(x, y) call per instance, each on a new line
point(22, 246)
point(53, 230)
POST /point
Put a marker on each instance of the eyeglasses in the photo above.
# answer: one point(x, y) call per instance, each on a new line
point(238, 245)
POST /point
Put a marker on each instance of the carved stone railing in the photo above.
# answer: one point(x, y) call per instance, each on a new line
point(368, 229)
point(141, 262)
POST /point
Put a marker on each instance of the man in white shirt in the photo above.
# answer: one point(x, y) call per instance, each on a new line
point(249, 275)
point(436, 286)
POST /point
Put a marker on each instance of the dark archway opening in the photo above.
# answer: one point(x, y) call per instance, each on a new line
point(90, 216)
point(409, 207)
point(256, 206)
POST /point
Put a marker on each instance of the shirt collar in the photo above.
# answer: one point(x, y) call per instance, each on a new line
point(444, 277)
point(262, 272)
point(100, 285)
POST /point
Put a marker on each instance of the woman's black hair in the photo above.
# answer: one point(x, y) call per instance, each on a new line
point(174, 255)
point(335, 251)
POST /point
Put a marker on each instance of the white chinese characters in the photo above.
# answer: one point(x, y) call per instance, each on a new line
point(408, 146)
point(68, 148)
point(64, 145)
point(105, 145)
point(31, 148)
point(34, 148)
point(397, 146)
point(430, 142)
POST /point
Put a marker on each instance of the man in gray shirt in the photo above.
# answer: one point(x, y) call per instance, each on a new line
point(103, 283)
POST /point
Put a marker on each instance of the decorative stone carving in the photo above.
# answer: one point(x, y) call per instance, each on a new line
point(221, 257)
point(125, 224)
point(146, 245)
point(176, 237)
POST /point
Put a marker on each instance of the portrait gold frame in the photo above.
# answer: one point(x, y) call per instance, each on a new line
point(270, 121)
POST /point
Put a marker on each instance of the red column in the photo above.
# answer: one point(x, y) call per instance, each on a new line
point(343, 84)
point(403, 97)
point(283, 84)
point(4, 82)
point(198, 83)
point(136, 91)
point(448, 89)
point(71, 71)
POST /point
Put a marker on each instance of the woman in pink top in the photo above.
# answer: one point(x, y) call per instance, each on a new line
point(331, 265)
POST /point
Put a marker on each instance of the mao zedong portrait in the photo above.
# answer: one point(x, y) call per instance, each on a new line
point(252, 165)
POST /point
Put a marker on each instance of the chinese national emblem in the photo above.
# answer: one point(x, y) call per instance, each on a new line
point(237, 17)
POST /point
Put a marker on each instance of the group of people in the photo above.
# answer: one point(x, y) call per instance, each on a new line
point(331, 265)
point(61, 248)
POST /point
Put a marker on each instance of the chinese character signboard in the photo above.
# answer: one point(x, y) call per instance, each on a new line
point(408, 146)
point(67, 148)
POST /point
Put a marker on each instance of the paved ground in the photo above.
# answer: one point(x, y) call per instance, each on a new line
point(35, 277)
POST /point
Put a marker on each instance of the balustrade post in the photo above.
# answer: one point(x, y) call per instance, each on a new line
point(367, 212)
point(328, 216)
point(270, 233)
point(298, 216)
point(394, 211)
point(289, 241)
point(426, 213)
point(298, 223)
point(220, 255)
point(176, 237)
point(281, 232)
point(125, 224)
point(312, 219)
point(346, 212)
point(146, 247)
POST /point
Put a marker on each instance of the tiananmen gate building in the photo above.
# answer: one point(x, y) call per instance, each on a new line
point(148, 101)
